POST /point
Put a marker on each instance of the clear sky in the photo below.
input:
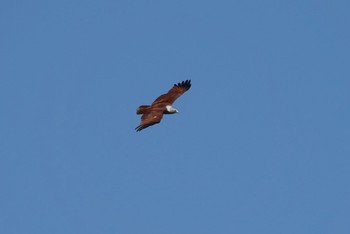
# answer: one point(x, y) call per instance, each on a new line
point(261, 143)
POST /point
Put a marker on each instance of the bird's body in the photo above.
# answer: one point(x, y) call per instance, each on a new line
point(153, 114)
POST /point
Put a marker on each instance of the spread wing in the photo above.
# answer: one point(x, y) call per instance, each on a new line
point(150, 118)
point(176, 91)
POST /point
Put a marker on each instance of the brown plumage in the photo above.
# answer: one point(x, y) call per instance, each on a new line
point(153, 114)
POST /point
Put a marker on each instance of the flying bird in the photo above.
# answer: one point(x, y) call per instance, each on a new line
point(153, 114)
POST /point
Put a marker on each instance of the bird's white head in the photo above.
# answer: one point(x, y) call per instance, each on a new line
point(171, 109)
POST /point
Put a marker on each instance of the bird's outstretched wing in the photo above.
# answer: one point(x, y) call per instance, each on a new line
point(150, 118)
point(176, 91)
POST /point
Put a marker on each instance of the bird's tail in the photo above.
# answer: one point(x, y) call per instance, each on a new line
point(142, 109)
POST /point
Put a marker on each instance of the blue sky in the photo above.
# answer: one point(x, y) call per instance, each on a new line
point(261, 143)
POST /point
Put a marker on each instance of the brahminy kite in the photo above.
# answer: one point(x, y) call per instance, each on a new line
point(153, 114)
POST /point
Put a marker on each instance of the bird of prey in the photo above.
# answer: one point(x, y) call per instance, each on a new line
point(153, 114)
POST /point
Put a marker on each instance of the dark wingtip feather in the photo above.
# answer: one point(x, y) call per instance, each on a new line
point(186, 84)
point(138, 128)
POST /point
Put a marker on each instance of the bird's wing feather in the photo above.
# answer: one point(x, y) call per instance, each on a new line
point(150, 118)
point(176, 91)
